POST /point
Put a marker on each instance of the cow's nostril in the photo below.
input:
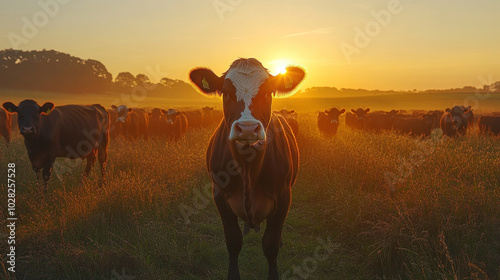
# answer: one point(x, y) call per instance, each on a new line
point(257, 129)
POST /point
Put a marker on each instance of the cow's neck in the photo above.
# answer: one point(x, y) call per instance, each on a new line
point(250, 159)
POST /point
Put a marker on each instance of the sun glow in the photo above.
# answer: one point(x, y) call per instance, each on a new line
point(278, 66)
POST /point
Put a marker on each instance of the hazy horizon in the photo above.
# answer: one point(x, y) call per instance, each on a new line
point(403, 45)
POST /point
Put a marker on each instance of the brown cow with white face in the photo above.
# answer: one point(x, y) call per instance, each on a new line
point(132, 122)
point(253, 156)
point(176, 124)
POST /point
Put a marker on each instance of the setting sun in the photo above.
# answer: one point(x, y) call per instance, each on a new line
point(278, 66)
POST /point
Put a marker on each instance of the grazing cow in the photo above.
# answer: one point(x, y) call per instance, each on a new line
point(418, 126)
point(328, 121)
point(291, 119)
point(71, 131)
point(253, 156)
point(176, 124)
point(489, 125)
point(5, 125)
point(453, 122)
point(194, 118)
point(356, 118)
point(206, 116)
point(132, 122)
point(157, 123)
point(381, 121)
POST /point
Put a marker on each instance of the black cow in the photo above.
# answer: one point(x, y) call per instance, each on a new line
point(71, 131)
point(454, 121)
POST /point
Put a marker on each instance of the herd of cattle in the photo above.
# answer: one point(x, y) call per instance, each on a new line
point(453, 122)
point(59, 131)
point(252, 176)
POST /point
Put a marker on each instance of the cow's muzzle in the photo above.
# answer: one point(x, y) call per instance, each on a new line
point(247, 132)
point(28, 130)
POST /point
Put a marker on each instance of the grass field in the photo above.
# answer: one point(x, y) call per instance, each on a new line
point(155, 219)
point(481, 102)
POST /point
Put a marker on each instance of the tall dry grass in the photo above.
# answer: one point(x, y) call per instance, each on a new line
point(442, 221)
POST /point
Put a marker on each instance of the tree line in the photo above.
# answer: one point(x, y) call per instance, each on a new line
point(51, 70)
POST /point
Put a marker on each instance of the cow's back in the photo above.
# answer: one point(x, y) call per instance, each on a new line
point(73, 129)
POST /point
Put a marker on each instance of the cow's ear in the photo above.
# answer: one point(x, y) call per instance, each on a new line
point(354, 112)
point(206, 81)
point(326, 111)
point(292, 112)
point(447, 110)
point(47, 108)
point(130, 109)
point(342, 111)
point(10, 107)
point(285, 84)
point(367, 110)
point(114, 107)
point(163, 112)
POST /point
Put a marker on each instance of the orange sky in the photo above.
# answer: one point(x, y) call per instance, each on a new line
point(388, 44)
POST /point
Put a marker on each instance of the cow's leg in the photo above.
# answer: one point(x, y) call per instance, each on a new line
point(232, 233)
point(90, 163)
point(47, 170)
point(102, 154)
point(271, 240)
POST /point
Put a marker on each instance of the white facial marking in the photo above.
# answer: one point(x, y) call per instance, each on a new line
point(171, 112)
point(247, 79)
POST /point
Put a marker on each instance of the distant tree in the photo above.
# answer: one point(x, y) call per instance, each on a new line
point(141, 79)
point(126, 80)
point(51, 70)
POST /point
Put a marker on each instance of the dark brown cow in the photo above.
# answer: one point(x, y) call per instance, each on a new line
point(328, 121)
point(157, 123)
point(253, 156)
point(176, 124)
point(194, 118)
point(489, 125)
point(356, 118)
point(206, 116)
point(453, 122)
point(436, 117)
point(291, 119)
point(380, 121)
point(5, 125)
point(418, 126)
point(132, 122)
point(71, 131)
point(468, 115)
